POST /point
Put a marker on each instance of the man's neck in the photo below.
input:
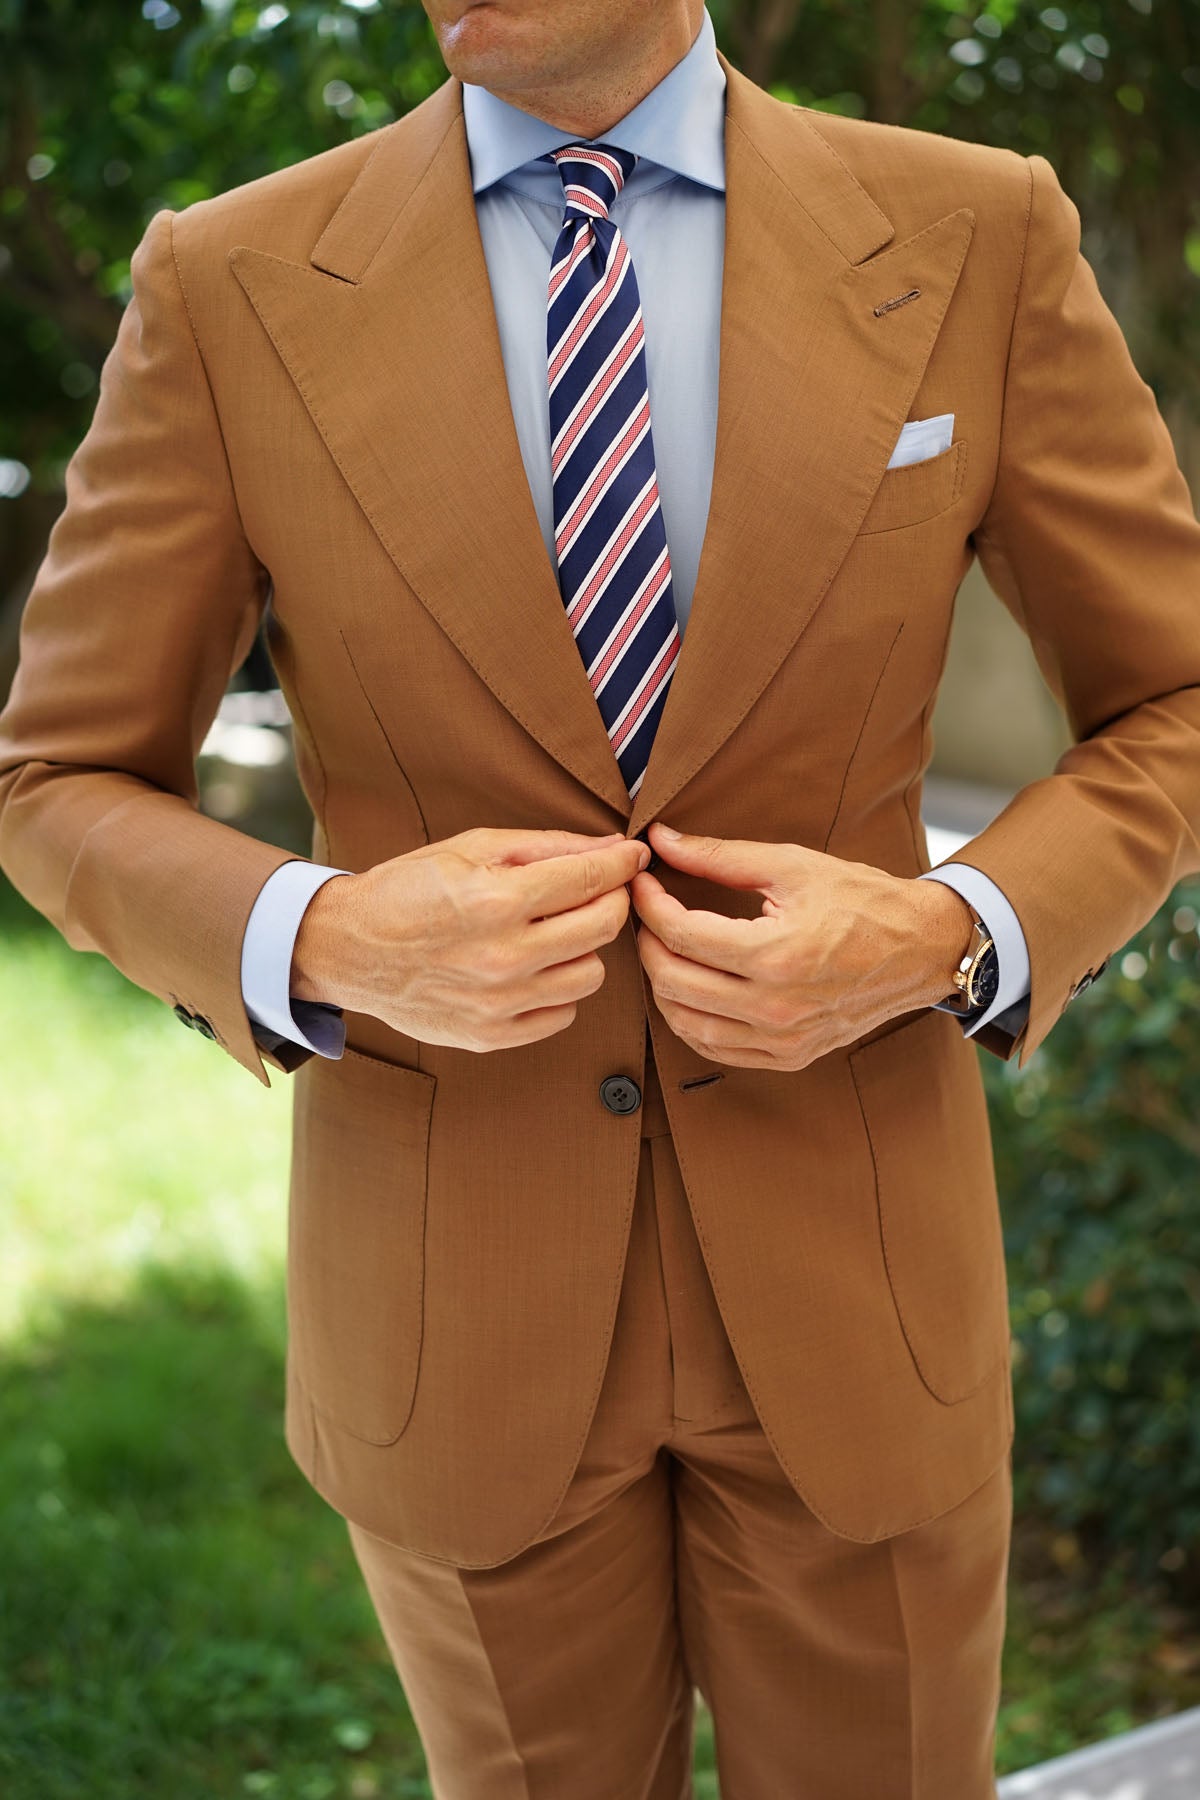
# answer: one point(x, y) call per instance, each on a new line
point(592, 105)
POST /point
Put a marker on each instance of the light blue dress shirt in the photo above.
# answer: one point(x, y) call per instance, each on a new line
point(671, 212)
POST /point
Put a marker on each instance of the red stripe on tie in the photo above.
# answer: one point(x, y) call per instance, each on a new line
point(629, 532)
point(599, 296)
point(569, 264)
point(629, 349)
point(599, 160)
point(584, 198)
point(603, 475)
point(659, 675)
point(613, 654)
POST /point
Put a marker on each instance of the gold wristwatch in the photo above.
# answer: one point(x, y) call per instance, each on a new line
point(977, 977)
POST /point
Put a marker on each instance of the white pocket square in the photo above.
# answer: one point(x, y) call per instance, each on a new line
point(921, 439)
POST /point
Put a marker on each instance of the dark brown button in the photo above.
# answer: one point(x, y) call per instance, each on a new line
point(620, 1094)
point(203, 1027)
point(655, 859)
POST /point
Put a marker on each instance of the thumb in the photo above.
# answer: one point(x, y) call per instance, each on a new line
point(733, 862)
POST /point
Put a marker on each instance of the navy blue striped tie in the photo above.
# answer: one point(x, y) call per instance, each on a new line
point(614, 568)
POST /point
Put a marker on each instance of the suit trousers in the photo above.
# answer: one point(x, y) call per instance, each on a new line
point(681, 1558)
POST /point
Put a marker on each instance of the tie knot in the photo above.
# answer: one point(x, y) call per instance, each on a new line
point(592, 176)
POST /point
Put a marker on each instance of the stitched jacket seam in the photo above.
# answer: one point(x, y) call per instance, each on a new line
point(1012, 332)
point(321, 811)
point(405, 203)
point(187, 307)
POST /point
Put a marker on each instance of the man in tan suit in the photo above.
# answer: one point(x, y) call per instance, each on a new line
point(646, 1289)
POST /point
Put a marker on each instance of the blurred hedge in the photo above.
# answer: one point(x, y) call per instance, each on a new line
point(1098, 1157)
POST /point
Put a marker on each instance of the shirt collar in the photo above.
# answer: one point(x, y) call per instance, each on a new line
point(680, 125)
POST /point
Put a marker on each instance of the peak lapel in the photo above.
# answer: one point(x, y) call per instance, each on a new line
point(391, 339)
point(813, 390)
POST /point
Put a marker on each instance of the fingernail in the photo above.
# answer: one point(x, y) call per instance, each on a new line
point(667, 830)
point(645, 856)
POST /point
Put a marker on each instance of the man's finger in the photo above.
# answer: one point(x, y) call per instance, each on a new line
point(717, 1038)
point(564, 936)
point(704, 937)
point(734, 862)
point(563, 882)
point(515, 849)
point(683, 982)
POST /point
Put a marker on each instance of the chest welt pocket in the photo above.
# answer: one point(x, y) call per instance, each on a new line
point(923, 1107)
point(356, 1239)
point(917, 491)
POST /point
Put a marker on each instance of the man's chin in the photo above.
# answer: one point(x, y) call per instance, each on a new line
point(488, 48)
point(495, 49)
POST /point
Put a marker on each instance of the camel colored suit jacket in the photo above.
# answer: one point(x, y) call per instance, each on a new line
point(306, 402)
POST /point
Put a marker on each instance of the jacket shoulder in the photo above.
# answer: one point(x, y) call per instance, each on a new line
point(285, 212)
point(916, 176)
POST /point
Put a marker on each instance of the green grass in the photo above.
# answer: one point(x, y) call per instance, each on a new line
point(180, 1617)
point(179, 1614)
point(124, 1137)
point(1088, 1653)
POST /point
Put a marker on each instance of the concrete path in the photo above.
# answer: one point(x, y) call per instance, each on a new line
point(1156, 1762)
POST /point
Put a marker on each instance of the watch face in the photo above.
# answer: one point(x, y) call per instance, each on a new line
point(985, 984)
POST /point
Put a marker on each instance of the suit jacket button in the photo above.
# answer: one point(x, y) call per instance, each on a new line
point(203, 1027)
point(655, 858)
point(183, 1015)
point(620, 1094)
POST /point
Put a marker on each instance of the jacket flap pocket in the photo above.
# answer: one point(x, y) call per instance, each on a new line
point(356, 1233)
point(923, 1106)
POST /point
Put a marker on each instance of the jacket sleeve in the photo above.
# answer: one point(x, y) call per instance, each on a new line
point(1090, 539)
point(146, 600)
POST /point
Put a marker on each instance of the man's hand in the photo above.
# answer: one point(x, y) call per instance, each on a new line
point(839, 948)
point(485, 940)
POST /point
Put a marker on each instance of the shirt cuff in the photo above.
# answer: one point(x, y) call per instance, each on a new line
point(981, 892)
point(267, 951)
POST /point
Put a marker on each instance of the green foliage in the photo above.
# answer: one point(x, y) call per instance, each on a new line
point(1089, 1653)
point(1098, 1156)
point(110, 112)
